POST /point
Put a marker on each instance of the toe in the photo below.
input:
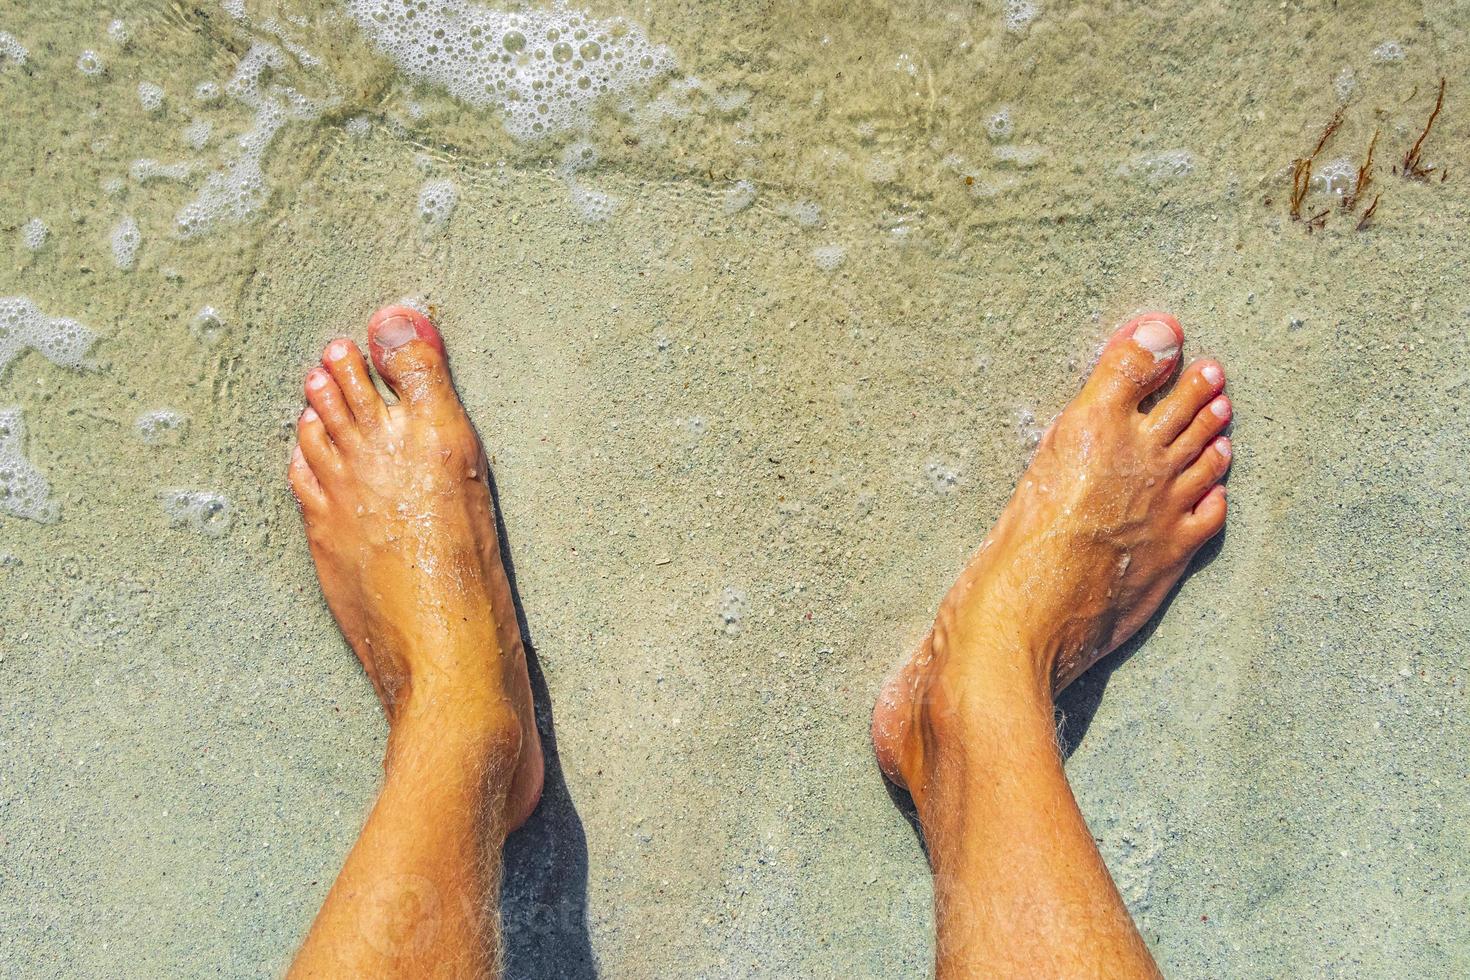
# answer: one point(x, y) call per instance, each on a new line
point(323, 395)
point(1204, 473)
point(1208, 516)
point(1208, 423)
point(315, 445)
point(409, 353)
point(1199, 383)
point(304, 483)
point(1139, 358)
point(344, 361)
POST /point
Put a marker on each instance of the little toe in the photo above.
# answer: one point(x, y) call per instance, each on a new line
point(1137, 360)
point(323, 395)
point(409, 353)
point(1208, 516)
point(304, 484)
point(350, 371)
point(1204, 473)
point(1199, 383)
point(1208, 423)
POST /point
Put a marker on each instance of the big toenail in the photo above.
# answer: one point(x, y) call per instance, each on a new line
point(1157, 337)
point(1220, 407)
point(1222, 446)
point(316, 380)
point(336, 350)
point(1212, 373)
point(395, 332)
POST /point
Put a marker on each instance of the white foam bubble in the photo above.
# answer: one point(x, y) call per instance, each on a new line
point(359, 127)
point(594, 206)
point(732, 608)
point(33, 234)
point(161, 427)
point(235, 8)
point(1388, 51)
point(206, 92)
point(739, 196)
point(145, 170)
point(941, 476)
point(90, 63)
point(1023, 156)
point(150, 96)
point(1345, 84)
point(544, 69)
point(437, 200)
point(999, 125)
point(118, 33)
point(1159, 167)
point(24, 491)
point(208, 326)
point(197, 133)
point(12, 52)
point(23, 327)
point(829, 258)
point(1020, 13)
point(204, 511)
point(808, 214)
point(126, 239)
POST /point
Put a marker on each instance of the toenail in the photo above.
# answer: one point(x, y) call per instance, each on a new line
point(395, 332)
point(1212, 373)
point(1221, 408)
point(336, 350)
point(315, 380)
point(1222, 446)
point(309, 415)
point(1158, 338)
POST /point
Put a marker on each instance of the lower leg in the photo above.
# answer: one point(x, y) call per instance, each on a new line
point(1103, 524)
point(399, 519)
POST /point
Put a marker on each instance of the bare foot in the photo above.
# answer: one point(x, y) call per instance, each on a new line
point(1102, 525)
point(399, 518)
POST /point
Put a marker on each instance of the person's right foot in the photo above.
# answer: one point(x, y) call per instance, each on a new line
point(1101, 527)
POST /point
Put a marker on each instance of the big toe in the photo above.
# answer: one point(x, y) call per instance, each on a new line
point(1137, 360)
point(409, 353)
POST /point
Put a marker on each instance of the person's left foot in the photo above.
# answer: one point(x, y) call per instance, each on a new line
point(400, 522)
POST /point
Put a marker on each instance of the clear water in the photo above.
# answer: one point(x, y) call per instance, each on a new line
point(759, 327)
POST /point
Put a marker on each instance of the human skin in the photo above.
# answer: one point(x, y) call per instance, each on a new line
point(400, 523)
point(1105, 521)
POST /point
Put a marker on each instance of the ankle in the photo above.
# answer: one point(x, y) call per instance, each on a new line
point(484, 726)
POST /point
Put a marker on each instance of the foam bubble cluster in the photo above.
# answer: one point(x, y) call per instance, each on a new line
point(829, 258)
point(24, 491)
point(1020, 13)
point(436, 203)
point(204, 511)
point(12, 52)
point(197, 133)
point(126, 239)
point(1000, 127)
point(33, 234)
point(941, 477)
point(1388, 51)
point(739, 196)
point(161, 427)
point(145, 170)
point(118, 33)
point(1336, 177)
point(545, 70)
point(150, 96)
point(1156, 168)
point(23, 327)
point(233, 194)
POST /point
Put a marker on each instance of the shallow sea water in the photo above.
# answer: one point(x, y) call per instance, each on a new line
point(759, 344)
